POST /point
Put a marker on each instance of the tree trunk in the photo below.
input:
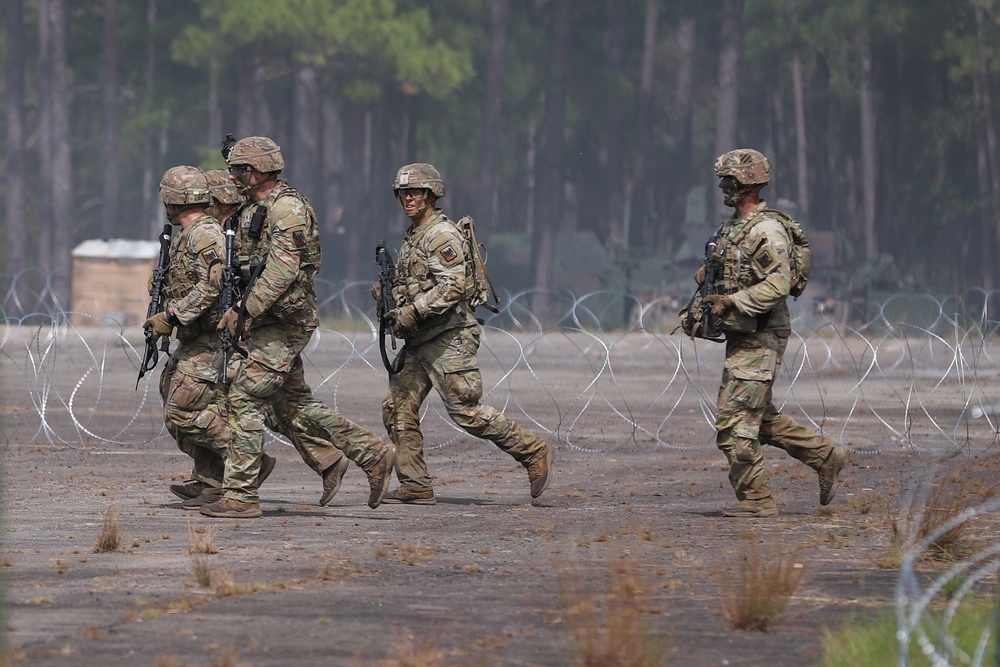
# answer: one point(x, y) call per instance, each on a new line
point(869, 151)
point(801, 137)
point(727, 97)
point(357, 129)
point(641, 198)
point(254, 113)
point(549, 169)
point(331, 218)
point(486, 208)
point(991, 240)
point(683, 105)
point(303, 159)
point(46, 141)
point(15, 223)
point(111, 188)
point(613, 177)
point(62, 174)
point(215, 132)
point(150, 196)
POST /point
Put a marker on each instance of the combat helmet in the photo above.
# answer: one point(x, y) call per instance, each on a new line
point(184, 186)
point(261, 153)
point(746, 165)
point(222, 187)
point(419, 175)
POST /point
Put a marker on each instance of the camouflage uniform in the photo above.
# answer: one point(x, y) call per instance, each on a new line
point(755, 251)
point(282, 315)
point(432, 276)
point(187, 383)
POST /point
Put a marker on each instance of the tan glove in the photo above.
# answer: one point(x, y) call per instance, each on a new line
point(720, 302)
point(215, 276)
point(160, 323)
point(377, 290)
point(228, 321)
point(699, 275)
point(405, 319)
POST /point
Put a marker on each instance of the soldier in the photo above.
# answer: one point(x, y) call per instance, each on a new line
point(755, 249)
point(432, 291)
point(226, 200)
point(192, 413)
point(279, 252)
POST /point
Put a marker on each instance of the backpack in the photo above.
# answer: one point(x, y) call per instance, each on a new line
point(478, 286)
point(799, 254)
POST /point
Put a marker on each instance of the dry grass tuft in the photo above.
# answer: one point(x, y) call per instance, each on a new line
point(954, 487)
point(226, 586)
point(756, 588)
point(202, 572)
point(411, 653)
point(610, 626)
point(111, 537)
point(200, 537)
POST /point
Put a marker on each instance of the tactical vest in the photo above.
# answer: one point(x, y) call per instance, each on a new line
point(183, 276)
point(254, 240)
point(738, 272)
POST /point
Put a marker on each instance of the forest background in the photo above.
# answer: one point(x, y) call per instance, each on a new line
point(552, 122)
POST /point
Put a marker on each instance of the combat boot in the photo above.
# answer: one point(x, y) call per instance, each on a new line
point(761, 509)
point(229, 508)
point(332, 478)
point(379, 475)
point(192, 488)
point(540, 472)
point(266, 467)
point(410, 497)
point(829, 472)
point(207, 497)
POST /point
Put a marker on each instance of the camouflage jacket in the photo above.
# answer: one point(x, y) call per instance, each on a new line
point(431, 275)
point(755, 251)
point(187, 289)
point(288, 243)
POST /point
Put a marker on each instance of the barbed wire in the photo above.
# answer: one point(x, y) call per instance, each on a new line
point(923, 374)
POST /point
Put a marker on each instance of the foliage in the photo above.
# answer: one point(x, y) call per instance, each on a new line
point(396, 81)
point(871, 641)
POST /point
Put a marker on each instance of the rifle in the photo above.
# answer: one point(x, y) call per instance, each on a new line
point(227, 146)
point(227, 295)
point(697, 319)
point(152, 354)
point(386, 276)
point(711, 325)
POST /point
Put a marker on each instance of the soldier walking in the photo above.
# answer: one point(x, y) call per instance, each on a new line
point(192, 413)
point(279, 252)
point(433, 287)
point(755, 248)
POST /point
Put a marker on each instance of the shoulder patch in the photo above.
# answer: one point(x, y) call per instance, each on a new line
point(449, 256)
point(299, 237)
point(766, 259)
point(210, 257)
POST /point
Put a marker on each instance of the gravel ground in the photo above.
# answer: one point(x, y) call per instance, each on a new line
point(485, 577)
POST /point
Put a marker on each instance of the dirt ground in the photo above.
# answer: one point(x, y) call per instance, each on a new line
point(485, 577)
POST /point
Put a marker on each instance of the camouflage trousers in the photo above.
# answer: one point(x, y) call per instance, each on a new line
point(193, 408)
point(747, 416)
point(447, 363)
point(196, 412)
point(272, 379)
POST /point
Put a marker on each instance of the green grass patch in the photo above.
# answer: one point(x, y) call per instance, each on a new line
point(871, 641)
